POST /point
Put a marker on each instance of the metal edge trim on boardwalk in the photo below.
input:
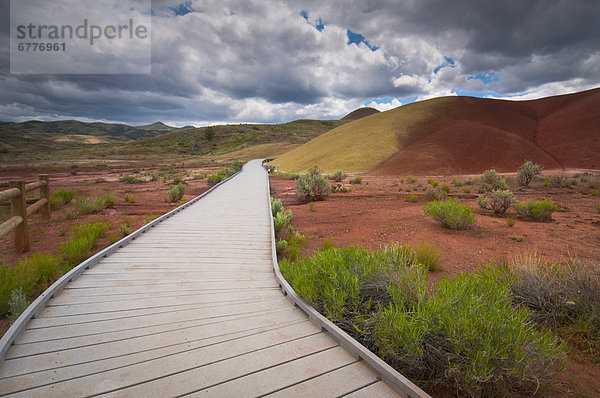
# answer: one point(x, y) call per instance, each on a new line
point(392, 377)
point(38, 304)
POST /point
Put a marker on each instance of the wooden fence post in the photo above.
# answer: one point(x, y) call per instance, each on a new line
point(18, 207)
point(45, 193)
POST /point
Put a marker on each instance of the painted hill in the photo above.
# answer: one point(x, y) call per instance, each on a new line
point(360, 113)
point(451, 135)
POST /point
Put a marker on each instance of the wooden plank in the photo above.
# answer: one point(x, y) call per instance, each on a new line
point(155, 316)
point(133, 286)
point(9, 194)
point(336, 383)
point(10, 224)
point(173, 374)
point(379, 390)
point(281, 376)
point(75, 351)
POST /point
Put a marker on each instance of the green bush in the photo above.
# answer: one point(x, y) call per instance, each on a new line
point(17, 304)
point(281, 223)
point(214, 179)
point(411, 180)
point(176, 192)
point(450, 213)
point(312, 186)
point(339, 176)
point(86, 206)
point(493, 180)
point(60, 198)
point(83, 242)
point(527, 172)
point(131, 180)
point(502, 200)
point(468, 336)
point(558, 181)
point(282, 175)
point(435, 194)
point(428, 256)
point(537, 211)
point(276, 206)
point(356, 180)
point(411, 198)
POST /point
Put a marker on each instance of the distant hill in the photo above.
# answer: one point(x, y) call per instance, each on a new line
point(461, 135)
point(106, 132)
point(360, 113)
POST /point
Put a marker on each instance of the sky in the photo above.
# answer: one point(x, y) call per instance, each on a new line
point(267, 61)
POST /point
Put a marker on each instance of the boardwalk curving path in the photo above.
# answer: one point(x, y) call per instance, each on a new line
point(190, 307)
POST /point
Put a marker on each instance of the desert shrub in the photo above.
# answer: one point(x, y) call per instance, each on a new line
point(339, 187)
point(598, 207)
point(129, 198)
point(517, 238)
point(482, 201)
point(295, 243)
point(558, 181)
point(276, 206)
point(537, 211)
point(356, 180)
point(428, 256)
point(214, 179)
point(128, 179)
point(445, 188)
point(435, 194)
point(87, 206)
point(492, 180)
point(502, 200)
point(176, 192)
point(149, 218)
point(411, 179)
point(60, 198)
point(468, 336)
point(281, 223)
point(312, 186)
point(458, 183)
point(411, 198)
point(510, 222)
point(527, 172)
point(126, 228)
point(281, 247)
point(327, 243)
point(432, 182)
point(339, 176)
point(563, 297)
point(312, 207)
point(84, 240)
point(17, 304)
point(450, 213)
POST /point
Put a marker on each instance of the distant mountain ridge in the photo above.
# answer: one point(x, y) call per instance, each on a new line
point(110, 131)
point(360, 113)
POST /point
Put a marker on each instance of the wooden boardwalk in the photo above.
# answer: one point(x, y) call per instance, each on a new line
point(191, 307)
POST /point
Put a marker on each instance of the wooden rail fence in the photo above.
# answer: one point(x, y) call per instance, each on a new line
point(19, 211)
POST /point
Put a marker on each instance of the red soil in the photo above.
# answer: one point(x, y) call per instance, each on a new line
point(469, 135)
point(377, 214)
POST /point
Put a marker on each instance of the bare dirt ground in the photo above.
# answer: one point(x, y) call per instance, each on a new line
point(377, 214)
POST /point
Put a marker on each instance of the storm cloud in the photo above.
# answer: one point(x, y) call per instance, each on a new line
point(269, 61)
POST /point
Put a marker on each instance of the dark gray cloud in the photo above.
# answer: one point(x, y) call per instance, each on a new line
point(256, 60)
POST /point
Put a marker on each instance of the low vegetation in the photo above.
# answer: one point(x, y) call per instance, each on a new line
point(501, 201)
point(91, 206)
point(33, 274)
point(466, 334)
point(450, 213)
point(528, 172)
point(288, 242)
point(312, 186)
point(176, 192)
point(537, 211)
point(60, 198)
point(492, 180)
point(338, 176)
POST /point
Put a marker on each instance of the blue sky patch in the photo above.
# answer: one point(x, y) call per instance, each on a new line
point(485, 77)
point(448, 62)
point(388, 100)
point(183, 8)
point(357, 38)
point(319, 23)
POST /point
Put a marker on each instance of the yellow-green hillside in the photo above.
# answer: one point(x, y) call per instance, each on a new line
point(360, 145)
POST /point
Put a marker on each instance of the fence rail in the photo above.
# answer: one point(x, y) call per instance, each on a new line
point(17, 195)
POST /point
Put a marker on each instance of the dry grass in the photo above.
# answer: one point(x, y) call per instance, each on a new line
point(361, 144)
